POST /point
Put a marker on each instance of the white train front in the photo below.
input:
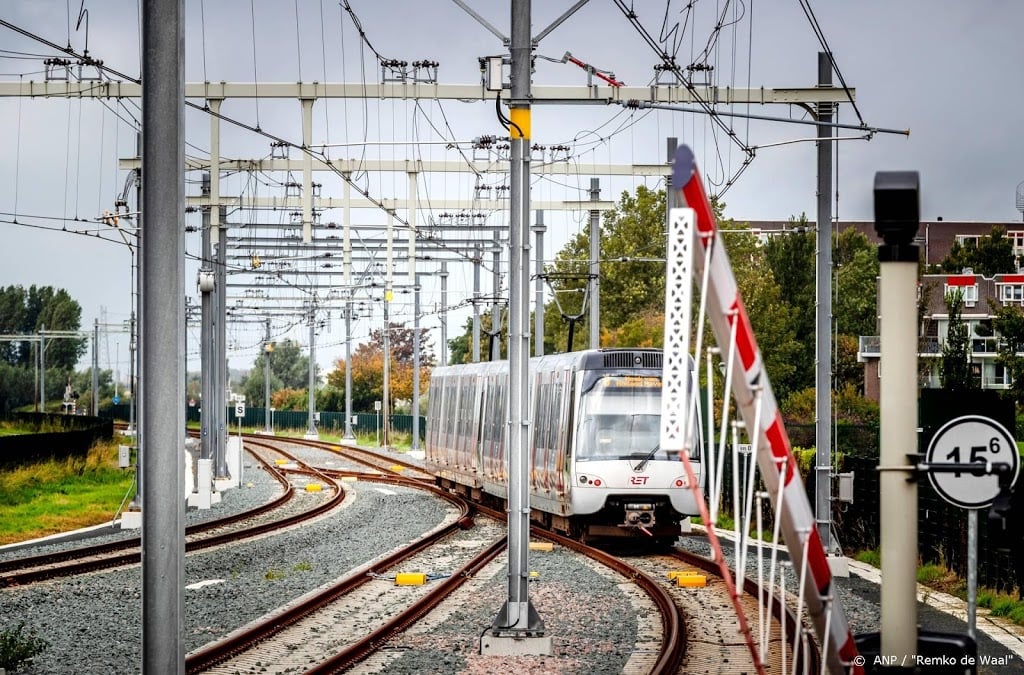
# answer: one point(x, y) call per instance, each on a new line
point(596, 468)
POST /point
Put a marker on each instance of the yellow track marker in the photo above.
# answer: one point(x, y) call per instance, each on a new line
point(410, 579)
point(681, 573)
point(541, 546)
point(313, 487)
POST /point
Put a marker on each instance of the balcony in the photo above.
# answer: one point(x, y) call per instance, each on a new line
point(870, 347)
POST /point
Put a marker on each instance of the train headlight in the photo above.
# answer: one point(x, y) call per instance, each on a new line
point(590, 481)
point(681, 482)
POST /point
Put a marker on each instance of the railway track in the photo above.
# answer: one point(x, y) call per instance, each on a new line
point(335, 628)
point(386, 463)
point(285, 511)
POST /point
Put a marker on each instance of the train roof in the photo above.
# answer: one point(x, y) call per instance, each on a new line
point(588, 359)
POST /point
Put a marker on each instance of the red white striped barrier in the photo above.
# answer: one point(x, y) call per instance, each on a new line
point(775, 457)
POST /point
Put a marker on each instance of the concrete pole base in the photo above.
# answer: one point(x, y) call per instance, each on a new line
point(514, 645)
point(839, 565)
point(131, 520)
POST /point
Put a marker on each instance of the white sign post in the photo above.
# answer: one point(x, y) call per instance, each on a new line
point(971, 439)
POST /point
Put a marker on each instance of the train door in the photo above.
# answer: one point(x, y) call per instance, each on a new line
point(543, 421)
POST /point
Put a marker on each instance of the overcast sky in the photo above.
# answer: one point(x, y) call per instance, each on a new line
point(947, 70)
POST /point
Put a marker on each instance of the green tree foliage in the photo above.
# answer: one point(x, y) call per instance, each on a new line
point(777, 282)
point(855, 308)
point(27, 311)
point(992, 255)
point(849, 406)
point(82, 383)
point(791, 259)
point(955, 373)
point(331, 398)
point(771, 315)
point(1009, 323)
point(460, 347)
point(846, 370)
point(289, 369)
point(17, 387)
point(632, 251)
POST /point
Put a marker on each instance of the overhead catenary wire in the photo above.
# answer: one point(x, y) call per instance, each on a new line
point(823, 41)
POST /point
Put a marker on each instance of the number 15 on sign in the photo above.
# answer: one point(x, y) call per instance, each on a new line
point(971, 439)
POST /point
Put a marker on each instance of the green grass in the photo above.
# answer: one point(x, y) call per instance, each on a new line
point(57, 496)
point(18, 647)
point(871, 557)
point(941, 578)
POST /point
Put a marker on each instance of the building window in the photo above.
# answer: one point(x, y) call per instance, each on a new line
point(1016, 237)
point(968, 240)
point(970, 293)
point(1011, 293)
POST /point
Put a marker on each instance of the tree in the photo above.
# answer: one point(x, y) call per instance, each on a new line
point(993, 254)
point(368, 367)
point(791, 259)
point(1009, 324)
point(460, 347)
point(856, 306)
point(632, 251)
point(289, 369)
point(846, 370)
point(771, 317)
point(28, 311)
point(956, 368)
point(289, 399)
point(82, 383)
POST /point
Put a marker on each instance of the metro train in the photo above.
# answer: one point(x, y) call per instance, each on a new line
point(596, 468)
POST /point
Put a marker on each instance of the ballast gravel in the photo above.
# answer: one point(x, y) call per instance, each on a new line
point(93, 623)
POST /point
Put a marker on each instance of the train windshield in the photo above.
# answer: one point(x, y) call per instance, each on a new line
point(619, 419)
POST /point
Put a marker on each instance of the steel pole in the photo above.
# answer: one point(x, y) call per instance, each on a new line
point(311, 432)
point(95, 368)
point(444, 313)
point(348, 369)
point(220, 425)
point(347, 264)
point(207, 355)
point(416, 365)
point(595, 266)
point(163, 335)
point(267, 350)
point(477, 260)
point(42, 369)
point(494, 353)
point(518, 621)
point(538, 306)
point(823, 320)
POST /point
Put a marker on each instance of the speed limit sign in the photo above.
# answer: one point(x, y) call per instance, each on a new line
point(971, 439)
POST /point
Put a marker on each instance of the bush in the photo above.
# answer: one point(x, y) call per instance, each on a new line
point(17, 648)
